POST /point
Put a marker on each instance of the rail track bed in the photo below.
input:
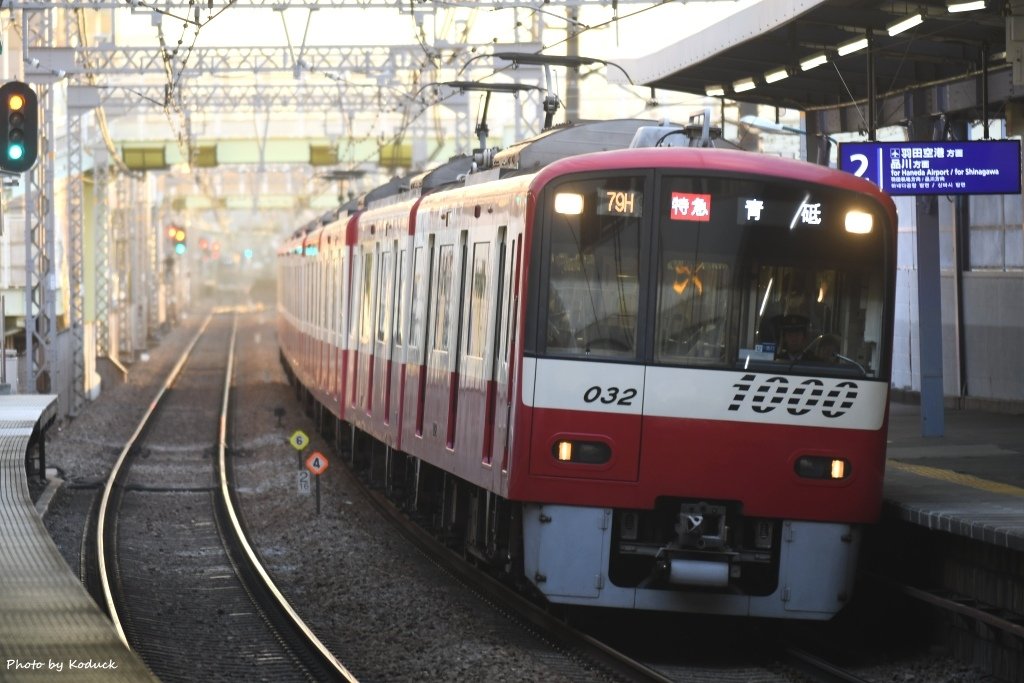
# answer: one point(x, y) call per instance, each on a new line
point(180, 585)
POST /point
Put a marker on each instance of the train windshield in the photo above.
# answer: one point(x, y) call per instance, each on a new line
point(594, 269)
point(716, 272)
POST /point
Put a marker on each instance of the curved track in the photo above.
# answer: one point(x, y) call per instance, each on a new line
point(181, 583)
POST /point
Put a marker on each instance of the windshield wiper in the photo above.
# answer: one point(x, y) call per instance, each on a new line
point(850, 360)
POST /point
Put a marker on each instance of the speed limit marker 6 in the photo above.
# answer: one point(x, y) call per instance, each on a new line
point(299, 440)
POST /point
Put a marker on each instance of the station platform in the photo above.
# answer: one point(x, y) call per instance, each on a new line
point(50, 628)
point(968, 482)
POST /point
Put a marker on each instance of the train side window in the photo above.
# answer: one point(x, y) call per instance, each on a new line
point(512, 300)
point(416, 324)
point(476, 323)
point(403, 290)
point(353, 299)
point(384, 293)
point(342, 301)
point(366, 305)
point(442, 302)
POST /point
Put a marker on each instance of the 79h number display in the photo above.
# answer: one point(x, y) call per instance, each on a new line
point(620, 203)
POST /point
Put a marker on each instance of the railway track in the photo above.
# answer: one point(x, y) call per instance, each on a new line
point(181, 582)
point(780, 663)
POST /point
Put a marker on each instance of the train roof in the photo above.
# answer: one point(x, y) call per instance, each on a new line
point(715, 160)
point(526, 156)
point(451, 172)
point(568, 140)
point(393, 187)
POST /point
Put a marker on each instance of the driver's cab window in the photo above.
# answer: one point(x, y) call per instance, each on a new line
point(693, 303)
point(811, 315)
point(593, 267)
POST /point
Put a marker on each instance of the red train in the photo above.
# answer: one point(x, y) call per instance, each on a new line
point(644, 378)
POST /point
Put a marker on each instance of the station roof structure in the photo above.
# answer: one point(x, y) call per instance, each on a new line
point(741, 56)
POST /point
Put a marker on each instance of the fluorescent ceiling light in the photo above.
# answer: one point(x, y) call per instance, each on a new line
point(714, 91)
point(965, 6)
point(775, 76)
point(908, 23)
point(744, 85)
point(852, 46)
point(813, 61)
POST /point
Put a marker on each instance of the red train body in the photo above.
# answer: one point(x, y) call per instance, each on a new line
point(584, 369)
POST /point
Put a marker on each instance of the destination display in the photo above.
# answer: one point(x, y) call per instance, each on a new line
point(912, 168)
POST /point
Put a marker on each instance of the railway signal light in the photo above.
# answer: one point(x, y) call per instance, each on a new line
point(19, 127)
point(179, 237)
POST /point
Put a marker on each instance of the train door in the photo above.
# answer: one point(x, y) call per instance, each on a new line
point(307, 298)
point(440, 397)
point(507, 366)
point(366, 325)
point(455, 356)
point(338, 340)
point(494, 309)
point(358, 314)
point(385, 331)
point(345, 311)
point(392, 396)
point(334, 282)
point(351, 363)
point(423, 341)
point(323, 313)
point(328, 363)
point(381, 343)
point(474, 367)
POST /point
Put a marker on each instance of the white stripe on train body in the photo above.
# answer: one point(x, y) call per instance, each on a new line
point(704, 394)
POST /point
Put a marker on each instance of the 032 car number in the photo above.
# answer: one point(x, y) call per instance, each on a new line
point(622, 396)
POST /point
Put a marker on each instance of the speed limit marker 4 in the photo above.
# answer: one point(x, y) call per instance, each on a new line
point(316, 463)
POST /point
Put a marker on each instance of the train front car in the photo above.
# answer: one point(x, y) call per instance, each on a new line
point(705, 381)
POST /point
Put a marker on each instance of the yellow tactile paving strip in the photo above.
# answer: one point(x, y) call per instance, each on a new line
point(957, 478)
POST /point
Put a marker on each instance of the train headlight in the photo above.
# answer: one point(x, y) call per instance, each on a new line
point(569, 203)
point(586, 452)
point(859, 222)
point(821, 467)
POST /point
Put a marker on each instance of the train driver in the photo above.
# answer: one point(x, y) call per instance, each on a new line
point(794, 337)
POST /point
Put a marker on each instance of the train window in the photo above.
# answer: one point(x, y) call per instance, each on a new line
point(342, 285)
point(403, 290)
point(511, 303)
point(693, 299)
point(442, 302)
point(593, 267)
point(366, 306)
point(418, 266)
point(476, 325)
point(752, 271)
point(814, 316)
point(384, 282)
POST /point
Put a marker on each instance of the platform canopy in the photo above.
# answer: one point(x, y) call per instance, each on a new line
point(741, 56)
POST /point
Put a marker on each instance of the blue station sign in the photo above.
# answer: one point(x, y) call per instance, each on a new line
point(912, 168)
